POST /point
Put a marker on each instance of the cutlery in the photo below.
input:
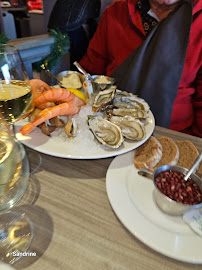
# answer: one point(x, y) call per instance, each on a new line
point(86, 74)
point(48, 72)
point(146, 173)
point(194, 166)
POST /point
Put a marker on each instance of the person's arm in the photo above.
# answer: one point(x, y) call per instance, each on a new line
point(96, 58)
point(197, 104)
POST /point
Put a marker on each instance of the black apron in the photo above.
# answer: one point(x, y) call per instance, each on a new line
point(154, 69)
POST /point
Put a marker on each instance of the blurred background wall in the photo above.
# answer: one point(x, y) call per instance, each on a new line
point(24, 18)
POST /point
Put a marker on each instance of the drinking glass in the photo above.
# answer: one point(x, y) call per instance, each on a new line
point(16, 231)
point(16, 101)
point(15, 91)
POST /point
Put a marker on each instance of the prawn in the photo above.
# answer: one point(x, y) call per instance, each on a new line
point(59, 95)
point(67, 108)
point(38, 87)
point(46, 105)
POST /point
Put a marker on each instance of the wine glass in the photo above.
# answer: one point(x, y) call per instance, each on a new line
point(15, 92)
point(16, 230)
point(16, 101)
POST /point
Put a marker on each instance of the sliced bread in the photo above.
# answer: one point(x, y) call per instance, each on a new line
point(170, 152)
point(148, 154)
point(188, 153)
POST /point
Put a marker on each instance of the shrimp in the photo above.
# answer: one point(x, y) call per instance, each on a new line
point(67, 108)
point(46, 105)
point(38, 87)
point(59, 95)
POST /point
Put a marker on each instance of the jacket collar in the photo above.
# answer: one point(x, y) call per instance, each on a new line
point(135, 18)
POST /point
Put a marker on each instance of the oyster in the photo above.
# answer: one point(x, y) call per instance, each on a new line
point(104, 99)
point(47, 129)
point(131, 102)
point(131, 128)
point(120, 94)
point(105, 131)
point(132, 112)
point(57, 121)
point(71, 128)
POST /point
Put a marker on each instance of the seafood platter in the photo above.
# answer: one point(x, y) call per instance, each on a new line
point(66, 123)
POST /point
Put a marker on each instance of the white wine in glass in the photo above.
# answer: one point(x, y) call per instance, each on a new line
point(15, 91)
point(16, 100)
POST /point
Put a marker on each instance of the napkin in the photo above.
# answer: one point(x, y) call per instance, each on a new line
point(193, 218)
point(154, 69)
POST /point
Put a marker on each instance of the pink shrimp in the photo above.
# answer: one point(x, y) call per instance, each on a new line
point(38, 87)
point(59, 95)
point(48, 113)
point(46, 105)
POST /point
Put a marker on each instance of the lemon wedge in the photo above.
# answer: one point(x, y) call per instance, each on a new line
point(78, 93)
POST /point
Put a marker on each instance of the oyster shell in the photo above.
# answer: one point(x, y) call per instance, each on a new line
point(105, 131)
point(71, 128)
point(104, 99)
point(131, 112)
point(131, 128)
point(120, 94)
point(57, 121)
point(131, 102)
point(47, 129)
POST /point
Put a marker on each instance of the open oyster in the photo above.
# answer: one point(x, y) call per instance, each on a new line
point(131, 102)
point(104, 99)
point(130, 112)
point(105, 131)
point(131, 128)
point(120, 94)
point(71, 128)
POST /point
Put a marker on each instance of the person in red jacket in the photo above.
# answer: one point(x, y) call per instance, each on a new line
point(125, 26)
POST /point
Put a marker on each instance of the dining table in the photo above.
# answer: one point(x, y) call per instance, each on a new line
point(74, 224)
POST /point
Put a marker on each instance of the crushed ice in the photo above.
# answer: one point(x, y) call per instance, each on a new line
point(85, 140)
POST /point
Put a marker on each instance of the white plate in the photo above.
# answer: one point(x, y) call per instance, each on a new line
point(47, 145)
point(131, 197)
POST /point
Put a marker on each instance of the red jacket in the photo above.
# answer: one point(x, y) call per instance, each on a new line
point(115, 39)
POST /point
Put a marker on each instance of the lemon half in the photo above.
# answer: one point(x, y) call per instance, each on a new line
point(77, 93)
